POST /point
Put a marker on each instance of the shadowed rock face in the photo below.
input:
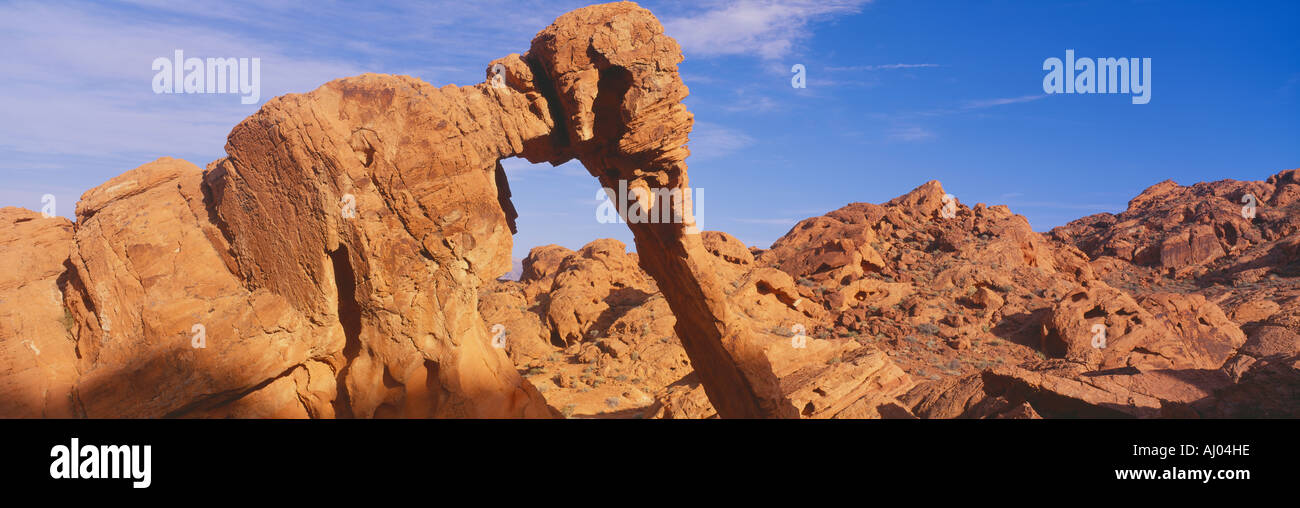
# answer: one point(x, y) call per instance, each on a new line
point(329, 266)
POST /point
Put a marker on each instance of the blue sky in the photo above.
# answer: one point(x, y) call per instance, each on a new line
point(897, 93)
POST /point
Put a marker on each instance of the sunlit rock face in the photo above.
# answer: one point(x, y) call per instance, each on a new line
point(329, 266)
point(341, 262)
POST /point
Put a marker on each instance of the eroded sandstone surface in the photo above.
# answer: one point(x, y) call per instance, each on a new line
point(343, 261)
point(330, 265)
point(977, 316)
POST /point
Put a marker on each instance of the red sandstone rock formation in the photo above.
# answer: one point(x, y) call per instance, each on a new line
point(38, 373)
point(341, 261)
point(1191, 230)
point(597, 337)
point(619, 96)
point(986, 317)
point(330, 264)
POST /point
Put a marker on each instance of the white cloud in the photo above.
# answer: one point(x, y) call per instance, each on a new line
point(988, 103)
point(746, 102)
point(85, 75)
point(78, 75)
point(966, 107)
point(881, 67)
point(711, 141)
point(767, 28)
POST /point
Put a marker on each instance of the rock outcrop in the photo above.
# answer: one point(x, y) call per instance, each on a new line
point(343, 261)
point(596, 335)
point(906, 311)
point(618, 98)
point(38, 357)
point(330, 265)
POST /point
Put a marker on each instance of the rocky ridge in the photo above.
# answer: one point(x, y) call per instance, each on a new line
point(976, 314)
point(342, 261)
point(330, 264)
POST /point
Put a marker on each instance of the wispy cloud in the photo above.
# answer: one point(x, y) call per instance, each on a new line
point(711, 141)
point(880, 67)
point(988, 103)
point(79, 76)
point(765, 28)
point(54, 52)
point(751, 103)
point(965, 107)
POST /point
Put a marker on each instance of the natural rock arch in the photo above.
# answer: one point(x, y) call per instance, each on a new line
point(600, 85)
point(331, 260)
point(634, 128)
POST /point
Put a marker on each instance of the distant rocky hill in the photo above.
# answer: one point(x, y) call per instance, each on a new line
point(976, 315)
